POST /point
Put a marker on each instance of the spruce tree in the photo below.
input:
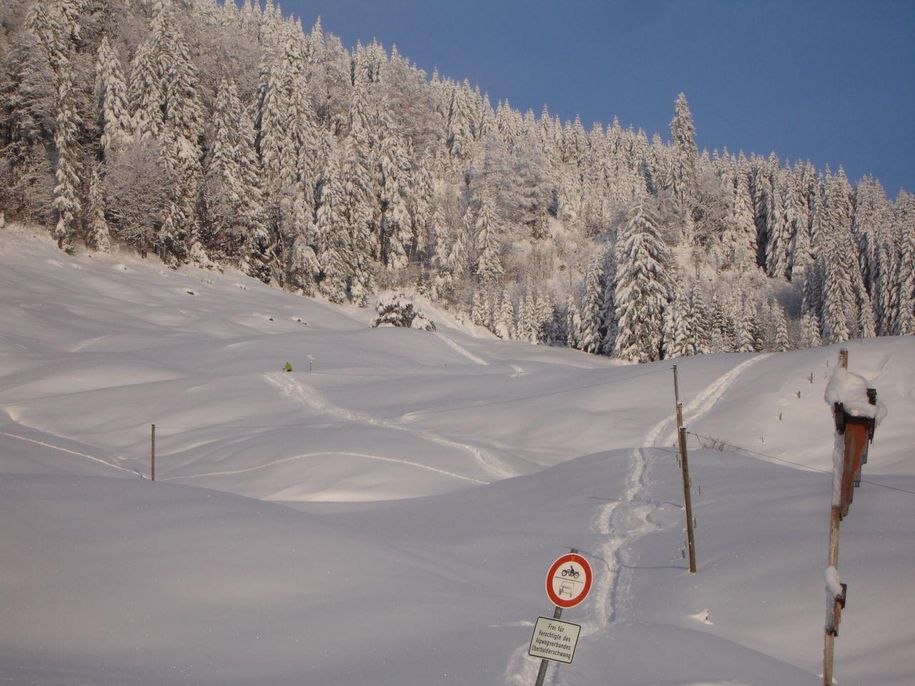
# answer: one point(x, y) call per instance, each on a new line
point(643, 287)
point(396, 225)
point(905, 264)
point(572, 321)
point(55, 28)
point(683, 179)
point(357, 210)
point(590, 339)
point(98, 237)
point(739, 239)
point(66, 140)
point(224, 195)
point(111, 94)
point(782, 342)
point(332, 234)
point(810, 330)
point(488, 242)
point(505, 318)
point(838, 298)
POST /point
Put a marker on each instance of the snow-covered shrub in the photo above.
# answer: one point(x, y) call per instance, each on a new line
point(398, 310)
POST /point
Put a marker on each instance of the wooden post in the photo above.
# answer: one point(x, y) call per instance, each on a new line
point(676, 389)
point(828, 654)
point(679, 408)
point(544, 663)
point(687, 500)
point(152, 454)
point(835, 517)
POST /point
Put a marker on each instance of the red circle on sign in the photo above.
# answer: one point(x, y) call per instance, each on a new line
point(569, 580)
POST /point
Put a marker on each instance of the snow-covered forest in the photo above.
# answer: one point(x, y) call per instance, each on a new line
point(227, 136)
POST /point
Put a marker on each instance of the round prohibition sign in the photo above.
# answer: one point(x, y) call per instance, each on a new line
point(569, 580)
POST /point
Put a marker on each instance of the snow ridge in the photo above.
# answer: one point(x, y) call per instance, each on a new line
point(312, 398)
point(367, 456)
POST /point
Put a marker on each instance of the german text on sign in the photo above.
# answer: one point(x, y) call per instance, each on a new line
point(554, 640)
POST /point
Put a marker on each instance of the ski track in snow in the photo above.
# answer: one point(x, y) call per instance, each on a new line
point(624, 522)
point(310, 397)
point(705, 401)
point(459, 349)
point(132, 472)
point(366, 456)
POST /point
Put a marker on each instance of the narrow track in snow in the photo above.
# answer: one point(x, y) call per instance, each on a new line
point(623, 522)
point(93, 458)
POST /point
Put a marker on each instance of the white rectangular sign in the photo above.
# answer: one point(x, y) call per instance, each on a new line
point(554, 640)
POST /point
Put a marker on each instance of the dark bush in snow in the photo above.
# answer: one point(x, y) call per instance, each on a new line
point(399, 311)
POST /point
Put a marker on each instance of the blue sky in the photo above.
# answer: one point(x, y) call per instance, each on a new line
point(830, 81)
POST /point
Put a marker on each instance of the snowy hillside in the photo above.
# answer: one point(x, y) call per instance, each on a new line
point(385, 512)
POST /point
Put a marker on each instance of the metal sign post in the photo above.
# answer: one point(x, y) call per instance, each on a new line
point(568, 583)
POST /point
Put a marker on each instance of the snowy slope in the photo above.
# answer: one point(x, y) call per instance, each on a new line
point(385, 513)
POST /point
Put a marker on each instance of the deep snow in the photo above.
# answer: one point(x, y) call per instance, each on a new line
point(388, 516)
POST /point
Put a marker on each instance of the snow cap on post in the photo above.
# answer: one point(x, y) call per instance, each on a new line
point(835, 600)
point(851, 390)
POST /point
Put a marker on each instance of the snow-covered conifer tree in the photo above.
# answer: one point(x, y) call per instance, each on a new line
point(589, 338)
point(905, 264)
point(66, 139)
point(111, 92)
point(810, 330)
point(739, 239)
point(357, 210)
point(572, 321)
point(545, 313)
point(489, 244)
point(783, 221)
point(643, 287)
point(838, 298)
point(332, 234)
point(745, 328)
point(781, 342)
point(98, 236)
point(55, 28)
point(224, 195)
point(396, 226)
point(147, 84)
point(683, 179)
point(608, 305)
point(505, 317)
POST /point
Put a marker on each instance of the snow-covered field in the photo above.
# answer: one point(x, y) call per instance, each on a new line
point(386, 512)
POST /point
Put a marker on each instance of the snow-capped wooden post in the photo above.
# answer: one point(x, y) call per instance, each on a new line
point(684, 466)
point(687, 496)
point(856, 413)
point(152, 453)
point(677, 398)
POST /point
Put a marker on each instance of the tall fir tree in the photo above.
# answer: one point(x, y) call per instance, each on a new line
point(111, 95)
point(590, 339)
point(55, 27)
point(489, 244)
point(643, 287)
point(683, 179)
point(98, 236)
point(332, 234)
